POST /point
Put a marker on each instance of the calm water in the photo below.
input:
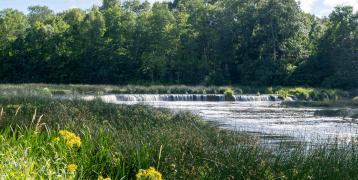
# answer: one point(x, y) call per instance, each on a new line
point(262, 116)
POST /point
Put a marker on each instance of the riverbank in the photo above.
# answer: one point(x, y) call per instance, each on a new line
point(117, 141)
point(296, 93)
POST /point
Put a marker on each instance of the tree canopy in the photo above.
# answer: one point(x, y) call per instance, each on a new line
point(221, 42)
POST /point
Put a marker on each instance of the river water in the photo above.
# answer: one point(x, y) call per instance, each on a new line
point(262, 116)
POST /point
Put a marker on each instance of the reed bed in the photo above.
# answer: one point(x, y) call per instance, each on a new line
point(46, 138)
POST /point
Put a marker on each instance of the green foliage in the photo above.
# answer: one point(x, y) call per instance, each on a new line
point(181, 42)
point(315, 94)
point(335, 64)
point(229, 94)
point(47, 91)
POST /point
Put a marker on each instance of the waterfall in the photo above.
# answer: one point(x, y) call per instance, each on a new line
point(180, 97)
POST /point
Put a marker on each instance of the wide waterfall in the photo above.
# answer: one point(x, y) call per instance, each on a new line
point(181, 97)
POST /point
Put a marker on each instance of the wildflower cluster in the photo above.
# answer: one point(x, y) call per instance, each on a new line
point(102, 178)
point(57, 139)
point(149, 174)
point(71, 139)
point(72, 167)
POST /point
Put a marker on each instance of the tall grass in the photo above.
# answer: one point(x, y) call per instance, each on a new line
point(118, 141)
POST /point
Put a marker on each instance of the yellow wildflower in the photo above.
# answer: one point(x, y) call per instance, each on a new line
point(149, 174)
point(101, 178)
point(71, 139)
point(72, 167)
point(56, 139)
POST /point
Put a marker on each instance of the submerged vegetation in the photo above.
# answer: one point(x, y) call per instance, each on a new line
point(42, 137)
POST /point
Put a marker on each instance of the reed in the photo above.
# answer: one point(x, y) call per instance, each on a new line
point(117, 141)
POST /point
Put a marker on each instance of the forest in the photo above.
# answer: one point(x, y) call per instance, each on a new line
point(192, 42)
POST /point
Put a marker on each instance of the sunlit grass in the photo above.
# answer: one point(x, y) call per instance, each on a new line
point(42, 137)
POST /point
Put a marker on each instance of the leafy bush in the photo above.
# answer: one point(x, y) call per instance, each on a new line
point(311, 93)
point(229, 94)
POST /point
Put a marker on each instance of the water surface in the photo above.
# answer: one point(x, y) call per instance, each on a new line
point(262, 116)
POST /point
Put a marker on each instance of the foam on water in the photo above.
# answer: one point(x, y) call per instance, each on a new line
point(181, 97)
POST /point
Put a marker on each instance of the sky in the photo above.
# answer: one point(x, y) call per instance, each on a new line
point(318, 7)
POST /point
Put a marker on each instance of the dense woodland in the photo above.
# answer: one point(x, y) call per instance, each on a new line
point(207, 42)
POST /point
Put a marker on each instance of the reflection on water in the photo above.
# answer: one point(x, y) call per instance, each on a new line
point(267, 119)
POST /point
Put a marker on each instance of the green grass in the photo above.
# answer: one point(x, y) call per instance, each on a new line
point(118, 140)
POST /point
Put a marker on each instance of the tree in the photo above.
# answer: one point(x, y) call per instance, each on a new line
point(39, 14)
point(338, 48)
point(92, 35)
point(13, 25)
point(110, 3)
point(212, 42)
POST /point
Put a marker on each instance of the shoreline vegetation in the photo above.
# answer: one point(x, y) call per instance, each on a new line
point(46, 138)
point(297, 93)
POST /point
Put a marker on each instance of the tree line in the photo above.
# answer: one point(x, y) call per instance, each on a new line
point(208, 42)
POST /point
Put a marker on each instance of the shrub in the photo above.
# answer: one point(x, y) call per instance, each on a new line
point(270, 90)
point(229, 94)
point(46, 91)
point(300, 93)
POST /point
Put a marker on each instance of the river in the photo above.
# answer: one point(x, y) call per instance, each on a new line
point(260, 115)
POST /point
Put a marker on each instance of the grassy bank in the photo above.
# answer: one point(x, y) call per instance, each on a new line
point(118, 141)
point(300, 93)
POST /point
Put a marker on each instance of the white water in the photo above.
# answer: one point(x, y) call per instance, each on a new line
point(181, 97)
point(259, 115)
